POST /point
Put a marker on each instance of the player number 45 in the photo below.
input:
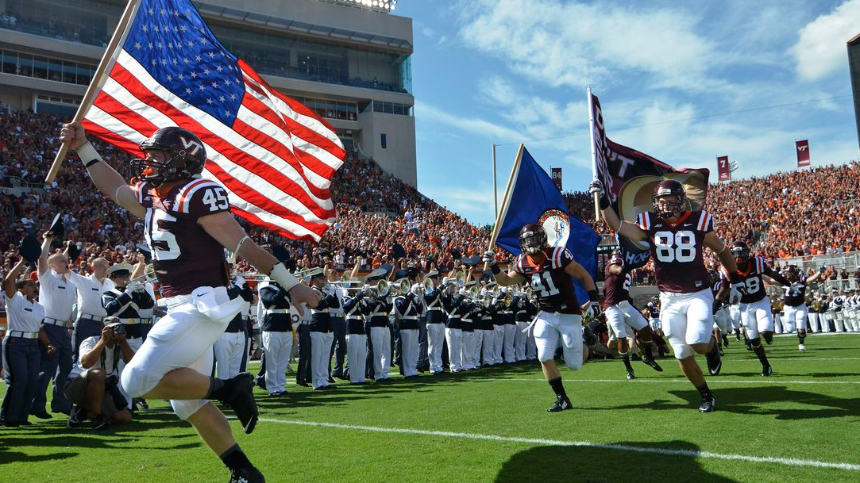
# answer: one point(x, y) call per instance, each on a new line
point(216, 200)
point(675, 247)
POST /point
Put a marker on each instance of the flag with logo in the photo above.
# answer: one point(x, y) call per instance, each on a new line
point(723, 168)
point(275, 157)
point(802, 149)
point(533, 198)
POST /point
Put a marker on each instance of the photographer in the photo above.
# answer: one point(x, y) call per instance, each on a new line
point(92, 387)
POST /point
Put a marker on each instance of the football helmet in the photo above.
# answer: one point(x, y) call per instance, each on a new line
point(665, 208)
point(617, 258)
point(741, 253)
point(185, 156)
point(791, 273)
point(533, 239)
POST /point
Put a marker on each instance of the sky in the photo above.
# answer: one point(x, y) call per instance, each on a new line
point(682, 81)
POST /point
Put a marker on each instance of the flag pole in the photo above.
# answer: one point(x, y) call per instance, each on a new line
point(506, 201)
point(99, 79)
point(593, 153)
point(495, 185)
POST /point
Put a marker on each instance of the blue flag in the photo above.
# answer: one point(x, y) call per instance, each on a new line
point(535, 199)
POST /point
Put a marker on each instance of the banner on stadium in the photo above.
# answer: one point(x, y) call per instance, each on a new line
point(615, 164)
point(274, 156)
point(556, 177)
point(723, 168)
point(531, 197)
point(802, 149)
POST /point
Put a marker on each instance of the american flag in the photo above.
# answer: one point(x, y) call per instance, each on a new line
point(274, 156)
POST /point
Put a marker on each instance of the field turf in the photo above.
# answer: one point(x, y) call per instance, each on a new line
point(801, 424)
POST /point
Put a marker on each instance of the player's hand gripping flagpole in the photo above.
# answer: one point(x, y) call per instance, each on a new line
point(506, 201)
point(99, 79)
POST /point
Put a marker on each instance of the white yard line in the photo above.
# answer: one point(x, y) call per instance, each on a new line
point(550, 442)
point(711, 381)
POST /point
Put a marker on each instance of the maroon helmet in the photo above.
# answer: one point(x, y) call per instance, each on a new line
point(186, 156)
point(533, 238)
point(741, 253)
point(669, 187)
point(791, 273)
point(617, 258)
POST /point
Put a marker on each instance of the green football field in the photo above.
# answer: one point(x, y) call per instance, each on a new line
point(801, 424)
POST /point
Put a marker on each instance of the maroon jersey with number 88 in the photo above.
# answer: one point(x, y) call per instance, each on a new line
point(549, 280)
point(677, 250)
point(184, 256)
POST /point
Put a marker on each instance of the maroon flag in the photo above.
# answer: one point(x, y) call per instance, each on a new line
point(723, 168)
point(556, 177)
point(615, 164)
point(802, 148)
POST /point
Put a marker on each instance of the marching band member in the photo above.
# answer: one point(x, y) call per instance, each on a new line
point(436, 318)
point(408, 308)
point(380, 336)
point(338, 328)
point(485, 338)
point(356, 339)
point(231, 349)
point(276, 335)
point(321, 334)
point(510, 327)
point(453, 327)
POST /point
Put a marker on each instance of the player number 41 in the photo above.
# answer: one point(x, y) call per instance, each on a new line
point(675, 247)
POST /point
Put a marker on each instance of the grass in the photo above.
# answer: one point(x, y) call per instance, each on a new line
point(490, 425)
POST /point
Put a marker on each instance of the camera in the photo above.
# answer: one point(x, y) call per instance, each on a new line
point(117, 328)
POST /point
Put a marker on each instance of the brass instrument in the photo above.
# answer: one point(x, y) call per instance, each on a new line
point(401, 287)
point(428, 285)
point(382, 288)
point(474, 292)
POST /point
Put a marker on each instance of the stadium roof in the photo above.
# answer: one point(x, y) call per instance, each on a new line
point(855, 40)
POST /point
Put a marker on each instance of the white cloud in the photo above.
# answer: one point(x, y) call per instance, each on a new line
point(572, 44)
point(473, 202)
point(820, 50)
point(425, 112)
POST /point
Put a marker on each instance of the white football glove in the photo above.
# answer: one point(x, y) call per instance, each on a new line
point(596, 186)
point(738, 290)
point(489, 256)
point(594, 311)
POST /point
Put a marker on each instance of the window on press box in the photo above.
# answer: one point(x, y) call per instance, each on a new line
point(383, 139)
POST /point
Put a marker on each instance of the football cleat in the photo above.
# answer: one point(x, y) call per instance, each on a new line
point(630, 375)
point(715, 362)
point(653, 364)
point(766, 370)
point(246, 475)
point(801, 347)
point(708, 404)
point(242, 402)
point(76, 416)
point(100, 422)
point(561, 404)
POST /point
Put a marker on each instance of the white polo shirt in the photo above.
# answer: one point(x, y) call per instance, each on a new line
point(108, 357)
point(23, 315)
point(57, 295)
point(90, 292)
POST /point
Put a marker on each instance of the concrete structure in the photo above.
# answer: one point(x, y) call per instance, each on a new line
point(348, 62)
point(854, 67)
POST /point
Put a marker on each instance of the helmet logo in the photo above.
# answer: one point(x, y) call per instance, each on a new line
point(190, 145)
point(556, 223)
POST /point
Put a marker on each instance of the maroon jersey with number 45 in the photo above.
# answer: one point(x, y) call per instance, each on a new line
point(184, 256)
point(549, 281)
point(677, 250)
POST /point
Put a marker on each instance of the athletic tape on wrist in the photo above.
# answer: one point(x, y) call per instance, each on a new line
point(284, 278)
point(88, 154)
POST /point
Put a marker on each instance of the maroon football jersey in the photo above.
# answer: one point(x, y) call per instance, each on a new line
point(616, 288)
point(677, 250)
point(752, 277)
point(549, 281)
point(184, 256)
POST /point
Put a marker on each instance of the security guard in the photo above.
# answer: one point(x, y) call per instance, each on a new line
point(436, 317)
point(231, 349)
point(408, 308)
point(276, 336)
point(338, 328)
point(57, 295)
point(321, 334)
point(91, 313)
point(453, 327)
point(21, 354)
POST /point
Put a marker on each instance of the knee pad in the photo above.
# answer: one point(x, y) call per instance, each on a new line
point(755, 342)
point(135, 381)
point(186, 408)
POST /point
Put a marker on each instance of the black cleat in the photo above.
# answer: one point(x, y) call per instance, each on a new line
point(242, 402)
point(43, 414)
point(100, 422)
point(708, 404)
point(140, 404)
point(630, 375)
point(562, 404)
point(715, 362)
point(76, 416)
point(246, 475)
point(766, 370)
point(653, 364)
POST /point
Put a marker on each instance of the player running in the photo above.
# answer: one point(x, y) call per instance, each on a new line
point(678, 238)
point(187, 224)
point(549, 271)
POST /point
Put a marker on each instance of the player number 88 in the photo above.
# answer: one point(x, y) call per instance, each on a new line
point(675, 247)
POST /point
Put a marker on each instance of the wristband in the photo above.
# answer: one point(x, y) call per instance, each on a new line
point(284, 278)
point(88, 154)
point(495, 268)
point(593, 295)
point(604, 202)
